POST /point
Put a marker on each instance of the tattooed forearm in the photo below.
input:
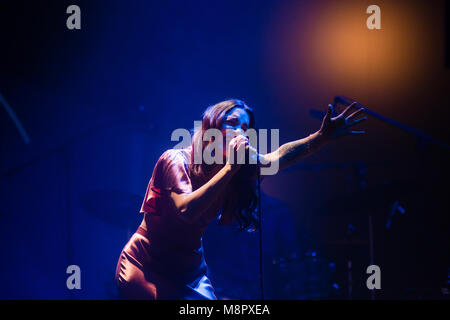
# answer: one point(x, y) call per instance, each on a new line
point(292, 152)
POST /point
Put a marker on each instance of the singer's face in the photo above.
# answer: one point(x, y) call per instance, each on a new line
point(236, 121)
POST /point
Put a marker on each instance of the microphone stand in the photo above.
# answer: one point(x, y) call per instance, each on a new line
point(348, 101)
point(258, 168)
point(340, 99)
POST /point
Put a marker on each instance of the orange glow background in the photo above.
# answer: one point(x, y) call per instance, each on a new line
point(316, 50)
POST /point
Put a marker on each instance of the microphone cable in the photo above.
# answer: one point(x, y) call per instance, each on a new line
point(258, 172)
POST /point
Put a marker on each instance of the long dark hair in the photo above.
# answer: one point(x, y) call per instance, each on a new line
point(241, 201)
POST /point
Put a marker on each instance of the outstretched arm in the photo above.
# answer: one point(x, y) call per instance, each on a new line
point(331, 128)
point(293, 151)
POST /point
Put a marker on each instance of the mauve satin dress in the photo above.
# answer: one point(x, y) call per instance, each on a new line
point(164, 259)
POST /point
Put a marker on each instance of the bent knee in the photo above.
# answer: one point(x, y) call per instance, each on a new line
point(136, 288)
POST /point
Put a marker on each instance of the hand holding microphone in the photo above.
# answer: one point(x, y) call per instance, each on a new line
point(237, 149)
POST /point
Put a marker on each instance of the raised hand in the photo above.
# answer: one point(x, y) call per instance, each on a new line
point(236, 151)
point(340, 125)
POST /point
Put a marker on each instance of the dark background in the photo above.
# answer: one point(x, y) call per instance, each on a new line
point(99, 105)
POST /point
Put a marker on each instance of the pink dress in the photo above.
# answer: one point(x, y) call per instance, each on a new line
point(164, 259)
